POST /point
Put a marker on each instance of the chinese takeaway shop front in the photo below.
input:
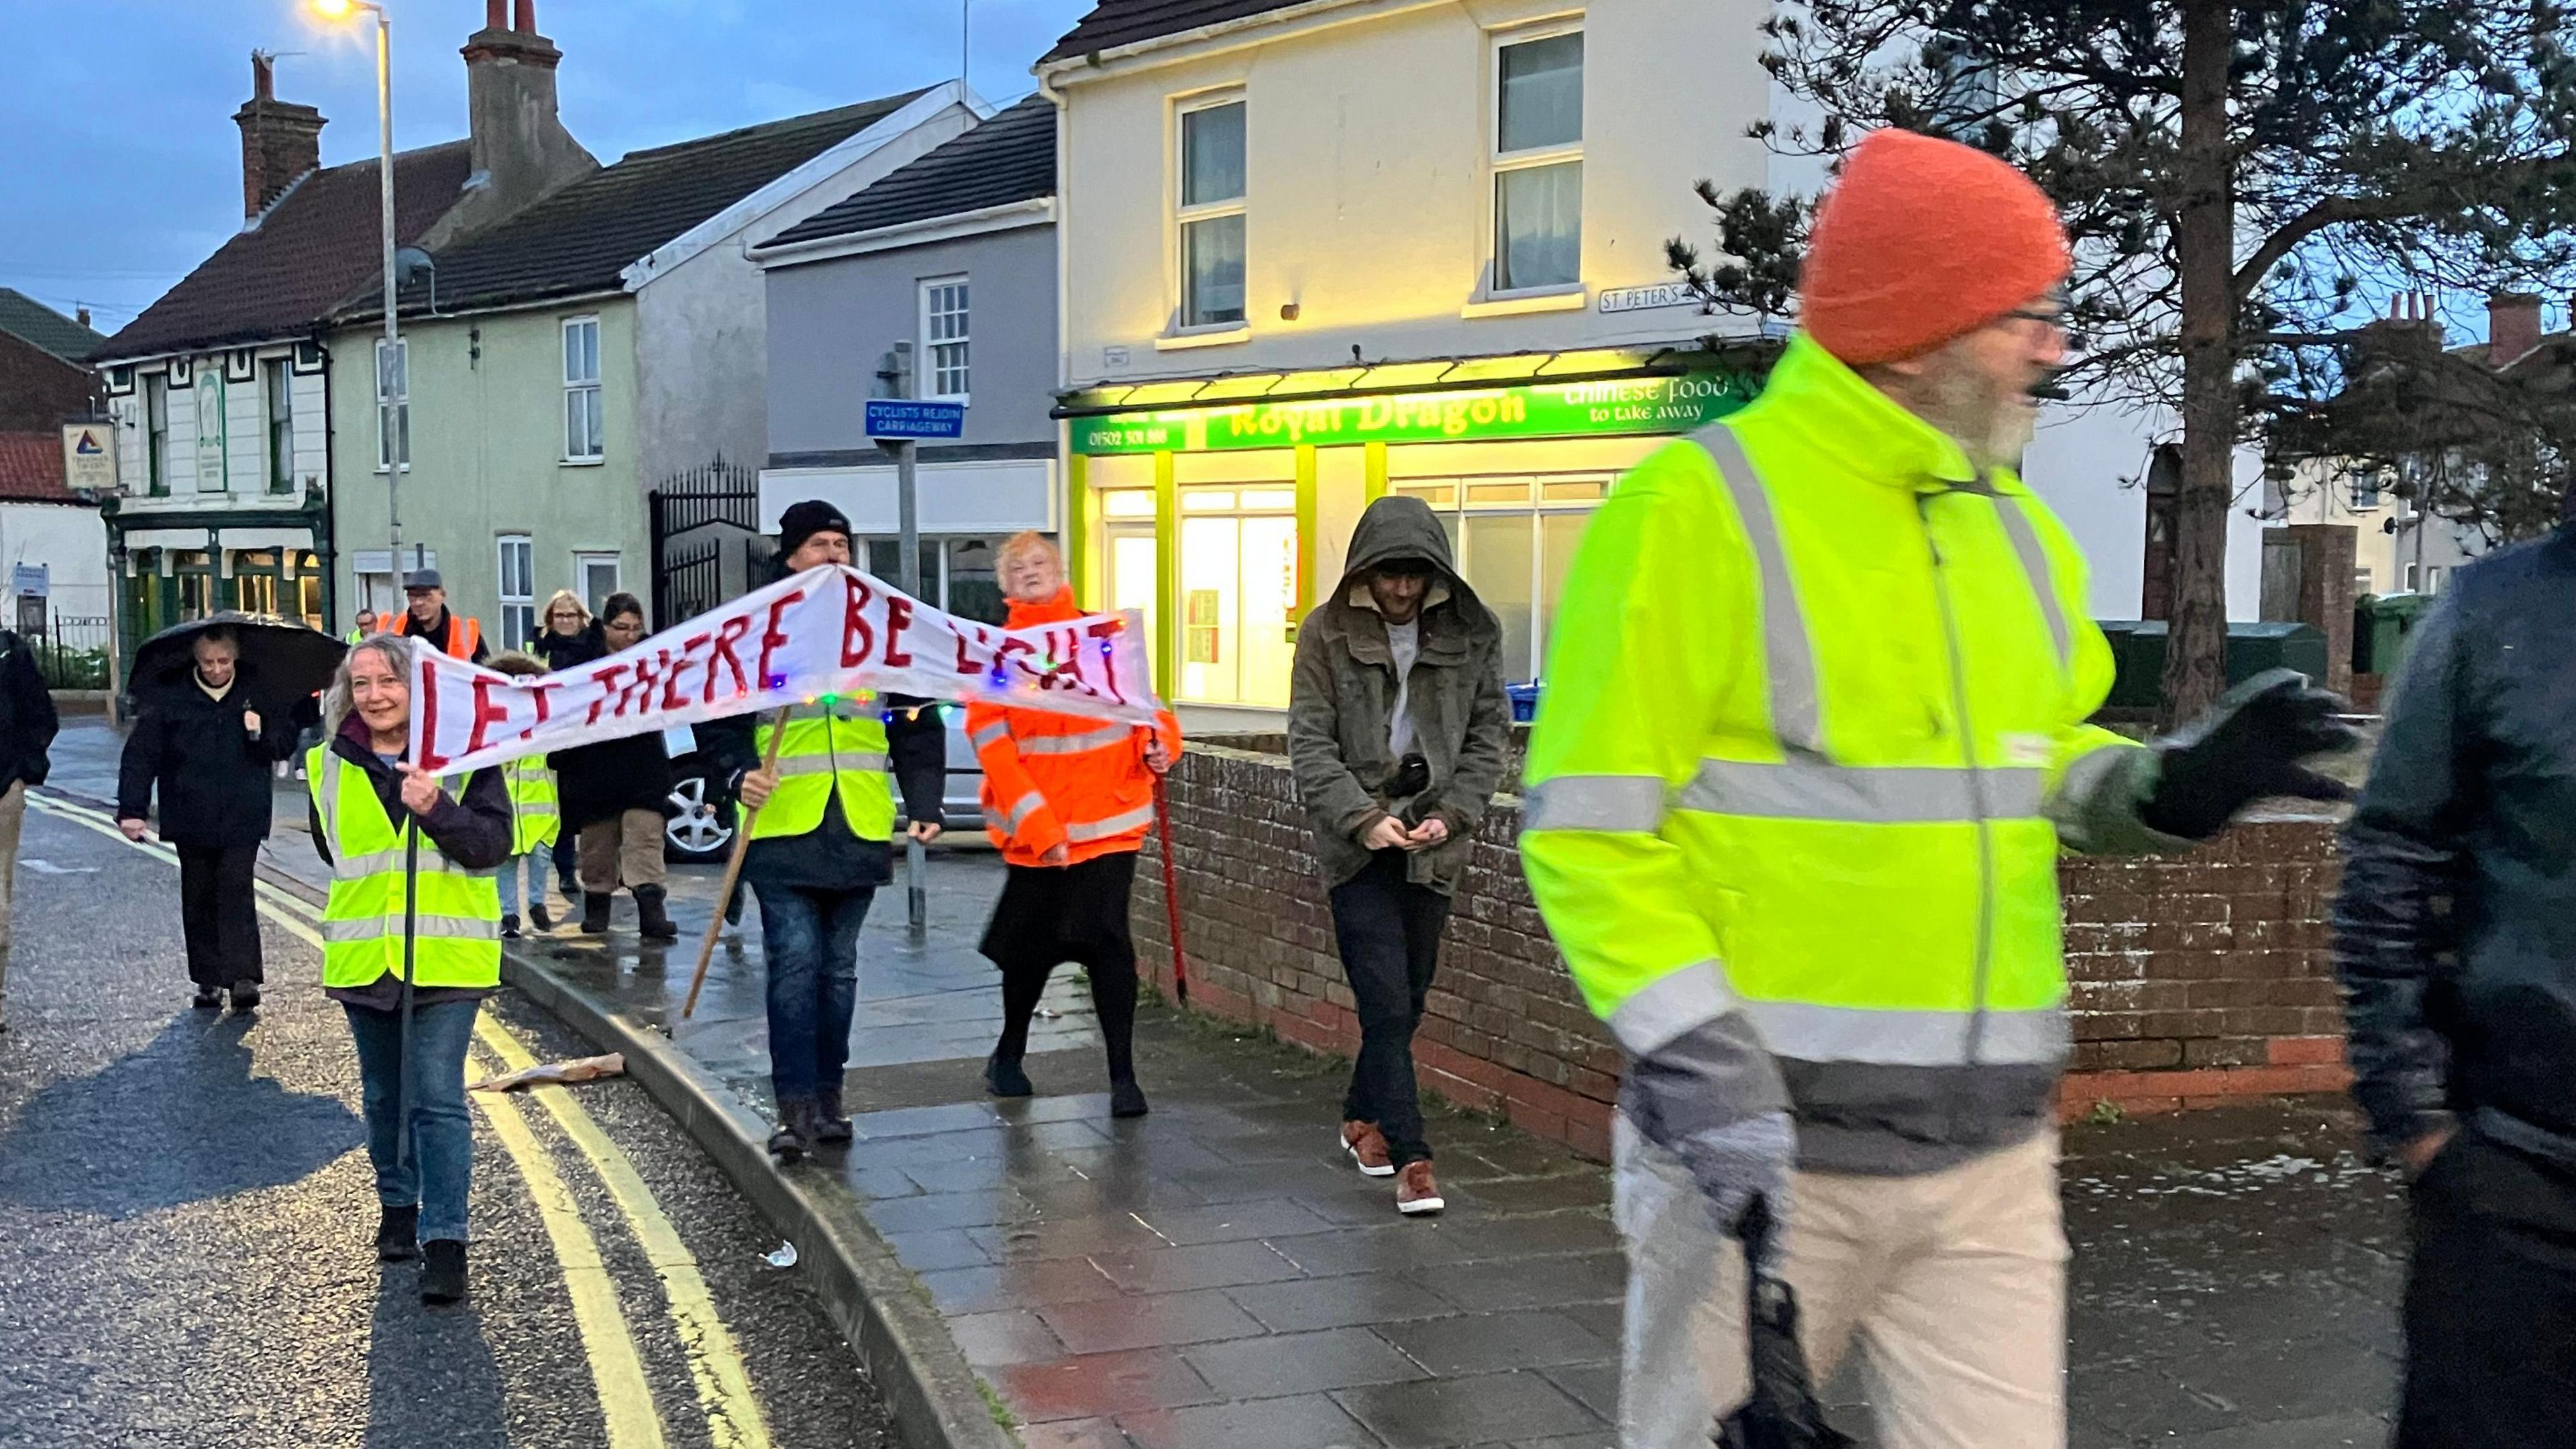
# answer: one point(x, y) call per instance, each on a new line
point(1222, 507)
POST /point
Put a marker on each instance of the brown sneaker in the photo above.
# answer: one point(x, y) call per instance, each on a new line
point(1367, 1147)
point(1417, 1191)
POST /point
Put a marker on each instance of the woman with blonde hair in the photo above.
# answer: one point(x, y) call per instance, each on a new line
point(1068, 800)
point(411, 1012)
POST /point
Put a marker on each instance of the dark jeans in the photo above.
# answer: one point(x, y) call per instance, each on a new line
point(567, 855)
point(2491, 1302)
point(219, 913)
point(1388, 930)
point(811, 939)
point(441, 1168)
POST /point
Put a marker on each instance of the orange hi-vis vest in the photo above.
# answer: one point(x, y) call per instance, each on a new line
point(463, 634)
point(1058, 779)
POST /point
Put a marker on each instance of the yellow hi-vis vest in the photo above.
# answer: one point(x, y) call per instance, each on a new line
point(1813, 686)
point(830, 746)
point(536, 819)
point(456, 928)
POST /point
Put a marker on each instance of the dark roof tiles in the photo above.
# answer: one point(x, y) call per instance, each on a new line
point(40, 326)
point(1115, 23)
point(1006, 159)
point(581, 239)
point(317, 246)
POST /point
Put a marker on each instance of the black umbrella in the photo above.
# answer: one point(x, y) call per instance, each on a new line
point(283, 662)
point(1783, 1412)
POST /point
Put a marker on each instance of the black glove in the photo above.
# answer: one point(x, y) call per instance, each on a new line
point(2247, 748)
point(1782, 1411)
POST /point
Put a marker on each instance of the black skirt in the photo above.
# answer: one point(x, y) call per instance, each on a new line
point(1052, 914)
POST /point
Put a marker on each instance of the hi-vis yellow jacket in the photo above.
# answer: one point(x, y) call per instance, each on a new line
point(1815, 714)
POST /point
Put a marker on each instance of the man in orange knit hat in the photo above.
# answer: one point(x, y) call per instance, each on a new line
point(1814, 734)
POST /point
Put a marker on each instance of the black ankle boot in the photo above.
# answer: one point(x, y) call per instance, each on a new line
point(652, 921)
point(831, 1124)
point(1004, 1078)
point(594, 912)
point(1126, 1099)
point(442, 1271)
point(398, 1234)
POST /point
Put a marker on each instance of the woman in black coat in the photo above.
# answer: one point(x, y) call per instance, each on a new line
point(204, 745)
point(615, 796)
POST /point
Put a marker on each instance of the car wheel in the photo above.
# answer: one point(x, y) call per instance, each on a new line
point(702, 829)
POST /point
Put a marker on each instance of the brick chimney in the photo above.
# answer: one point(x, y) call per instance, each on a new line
point(280, 141)
point(521, 151)
point(2513, 327)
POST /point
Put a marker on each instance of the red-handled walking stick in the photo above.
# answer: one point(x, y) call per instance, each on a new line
point(1172, 894)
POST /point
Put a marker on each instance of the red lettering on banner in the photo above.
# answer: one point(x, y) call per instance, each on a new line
point(486, 713)
point(671, 682)
point(727, 635)
point(898, 619)
point(606, 678)
point(1103, 631)
point(1002, 656)
point(965, 632)
point(771, 639)
point(430, 759)
point(641, 689)
point(854, 624)
point(542, 691)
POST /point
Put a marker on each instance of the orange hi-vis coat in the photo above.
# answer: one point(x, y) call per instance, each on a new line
point(1059, 779)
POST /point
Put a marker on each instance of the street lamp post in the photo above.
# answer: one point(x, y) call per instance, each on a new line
point(391, 368)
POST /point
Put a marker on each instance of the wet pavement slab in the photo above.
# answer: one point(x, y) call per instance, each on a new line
point(1217, 1274)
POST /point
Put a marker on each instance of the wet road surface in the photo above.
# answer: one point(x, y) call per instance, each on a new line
point(186, 1220)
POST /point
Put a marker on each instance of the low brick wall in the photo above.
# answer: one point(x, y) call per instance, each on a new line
point(2194, 979)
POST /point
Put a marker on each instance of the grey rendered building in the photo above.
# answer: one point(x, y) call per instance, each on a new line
point(954, 253)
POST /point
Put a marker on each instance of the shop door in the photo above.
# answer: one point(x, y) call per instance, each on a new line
point(1238, 603)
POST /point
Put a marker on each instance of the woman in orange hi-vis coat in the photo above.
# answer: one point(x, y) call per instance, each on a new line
point(1069, 801)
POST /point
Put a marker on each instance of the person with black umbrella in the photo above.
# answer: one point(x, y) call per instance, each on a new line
point(209, 753)
point(412, 933)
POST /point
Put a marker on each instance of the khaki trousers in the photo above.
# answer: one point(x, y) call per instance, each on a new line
point(624, 851)
point(13, 814)
point(1952, 1283)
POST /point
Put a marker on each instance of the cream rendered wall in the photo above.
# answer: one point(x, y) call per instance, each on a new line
point(71, 540)
point(487, 442)
point(1367, 187)
point(246, 450)
point(2089, 465)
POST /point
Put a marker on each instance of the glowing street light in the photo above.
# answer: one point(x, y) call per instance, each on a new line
point(389, 398)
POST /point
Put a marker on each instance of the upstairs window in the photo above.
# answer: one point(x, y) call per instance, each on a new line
point(1211, 215)
point(1538, 162)
point(393, 405)
point(277, 395)
point(518, 590)
point(585, 434)
point(943, 338)
point(156, 432)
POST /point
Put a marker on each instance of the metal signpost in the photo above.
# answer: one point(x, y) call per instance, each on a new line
point(898, 423)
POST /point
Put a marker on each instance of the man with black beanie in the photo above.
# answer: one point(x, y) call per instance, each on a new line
point(820, 846)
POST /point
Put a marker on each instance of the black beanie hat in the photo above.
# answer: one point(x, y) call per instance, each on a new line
point(803, 520)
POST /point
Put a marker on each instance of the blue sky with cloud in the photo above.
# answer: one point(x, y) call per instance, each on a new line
point(122, 168)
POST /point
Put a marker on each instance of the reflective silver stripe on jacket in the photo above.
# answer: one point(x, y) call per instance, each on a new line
point(1099, 739)
point(1796, 717)
point(1669, 1006)
point(1595, 802)
point(2034, 562)
point(1807, 788)
point(1136, 819)
point(993, 733)
point(373, 928)
point(1909, 1038)
point(1021, 809)
point(828, 764)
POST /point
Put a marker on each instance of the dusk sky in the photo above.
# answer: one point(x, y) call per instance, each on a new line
point(122, 168)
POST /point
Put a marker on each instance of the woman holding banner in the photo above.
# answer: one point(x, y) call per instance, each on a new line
point(613, 797)
point(819, 848)
point(408, 860)
point(1068, 800)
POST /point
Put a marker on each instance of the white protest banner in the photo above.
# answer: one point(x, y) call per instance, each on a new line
point(830, 630)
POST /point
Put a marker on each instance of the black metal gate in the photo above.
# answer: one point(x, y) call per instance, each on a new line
point(702, 519)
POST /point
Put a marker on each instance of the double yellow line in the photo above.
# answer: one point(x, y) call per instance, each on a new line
point(617, 1371)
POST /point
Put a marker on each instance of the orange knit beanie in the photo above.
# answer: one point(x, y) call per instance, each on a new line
point(1924, 240)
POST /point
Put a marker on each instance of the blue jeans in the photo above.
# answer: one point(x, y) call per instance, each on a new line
point(442, 1136)
point(811, 939)
point(530, 868)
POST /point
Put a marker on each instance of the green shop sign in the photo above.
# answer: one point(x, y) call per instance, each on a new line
point(1541, 410)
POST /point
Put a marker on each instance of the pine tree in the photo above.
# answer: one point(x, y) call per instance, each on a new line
point(2238, 179)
